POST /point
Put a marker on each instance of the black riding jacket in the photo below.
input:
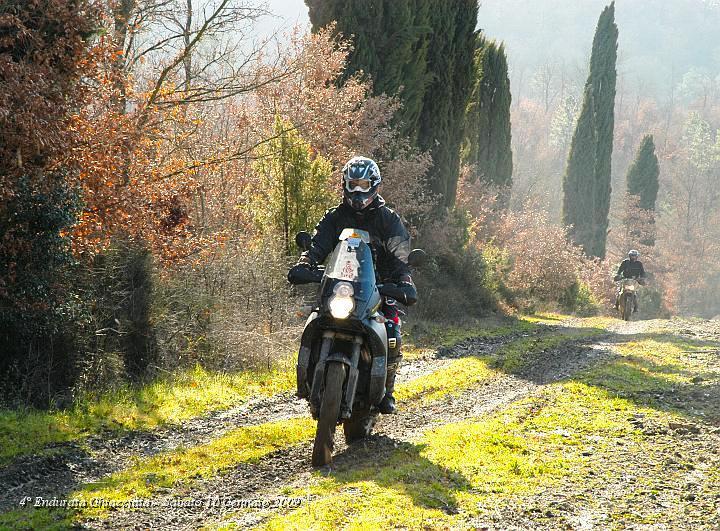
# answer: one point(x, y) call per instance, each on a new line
point(389, 239)
point(630, 269)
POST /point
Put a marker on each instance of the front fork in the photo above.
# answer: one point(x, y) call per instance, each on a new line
point(353, 373)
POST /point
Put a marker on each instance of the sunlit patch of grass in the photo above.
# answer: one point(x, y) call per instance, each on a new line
point(662, 371)
point(670, 355)
point(31, 518)
point(545, 318)
point(366, 505)
point(145, 477)
point(460, 375)
point(599, 321)
point(468, 372)
point(461, 468)
point(519, 354)
point(433, 335)
point(166, 401)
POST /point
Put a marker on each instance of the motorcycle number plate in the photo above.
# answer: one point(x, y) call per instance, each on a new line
point(353, 243)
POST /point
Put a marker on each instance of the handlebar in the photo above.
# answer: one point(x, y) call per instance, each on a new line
point(639, 280)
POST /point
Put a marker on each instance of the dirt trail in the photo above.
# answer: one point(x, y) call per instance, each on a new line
point(291, 467)
point(97, 457)
point(72, 464)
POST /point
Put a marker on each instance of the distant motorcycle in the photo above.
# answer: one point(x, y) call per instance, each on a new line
point(342, 363)
point(627, 299)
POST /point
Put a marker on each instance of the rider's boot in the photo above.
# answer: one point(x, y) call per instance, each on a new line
point(387, 405)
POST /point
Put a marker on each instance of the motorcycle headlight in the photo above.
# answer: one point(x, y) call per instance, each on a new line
point(342, 303)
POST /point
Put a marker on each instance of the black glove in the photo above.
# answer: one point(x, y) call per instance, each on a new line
point(304, 272)
point(403, 292)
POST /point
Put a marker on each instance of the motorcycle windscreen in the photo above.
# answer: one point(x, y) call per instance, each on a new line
point(351, 261)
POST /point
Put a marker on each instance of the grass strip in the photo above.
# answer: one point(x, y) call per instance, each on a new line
point(188, 394)
point(145, 477)
point(456, 471)
point(166, 401)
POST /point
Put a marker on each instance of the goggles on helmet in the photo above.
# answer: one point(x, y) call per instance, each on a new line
point(357, 185)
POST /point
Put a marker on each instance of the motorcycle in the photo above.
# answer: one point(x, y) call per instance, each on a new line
point(627, 300)
point(342, 362)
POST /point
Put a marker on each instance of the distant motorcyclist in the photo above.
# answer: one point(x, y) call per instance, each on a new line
point(631, 267)
point(363, 208)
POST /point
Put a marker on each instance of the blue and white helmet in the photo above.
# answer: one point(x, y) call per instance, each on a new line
point(361, 180)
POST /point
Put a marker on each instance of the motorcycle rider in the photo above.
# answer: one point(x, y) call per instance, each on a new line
point(631, 267)
point(363, 208)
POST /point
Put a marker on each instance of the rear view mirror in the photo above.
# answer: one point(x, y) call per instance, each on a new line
point(303, 240)
point(417, 257)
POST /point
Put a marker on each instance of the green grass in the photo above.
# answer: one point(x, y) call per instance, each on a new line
point(460, 375)
point(423, 338)
point(664, 372)
point(166, 401)
point(518, 355)
point(461, 468)
point(576, 433)
point(468, 372)
point(145, 477)
point(429, 334)
point(573, 433)
point(173, 399)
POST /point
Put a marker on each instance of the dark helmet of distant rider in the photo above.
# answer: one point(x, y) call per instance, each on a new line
point(361, 180)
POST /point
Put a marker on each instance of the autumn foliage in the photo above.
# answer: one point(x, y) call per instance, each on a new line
point(130, 166)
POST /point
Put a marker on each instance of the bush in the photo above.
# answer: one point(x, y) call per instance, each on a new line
point(234, 311)
point(40, 306)
point(579, 299)
point(119, 337)
point(535, 264)
point(458, 281)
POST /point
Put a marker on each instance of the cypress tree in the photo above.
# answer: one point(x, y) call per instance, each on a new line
point(643, 182)
point(643, 174)
point(586, 202)
point(390, 40)
point(442, 123)
point(423, 52)
point(488, 134)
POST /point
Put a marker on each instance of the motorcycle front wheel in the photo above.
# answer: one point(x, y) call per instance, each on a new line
point(329, 414)
point(627, 308)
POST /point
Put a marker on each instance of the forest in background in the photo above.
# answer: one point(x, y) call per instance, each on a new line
point(159, 159)
point(668, 85)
